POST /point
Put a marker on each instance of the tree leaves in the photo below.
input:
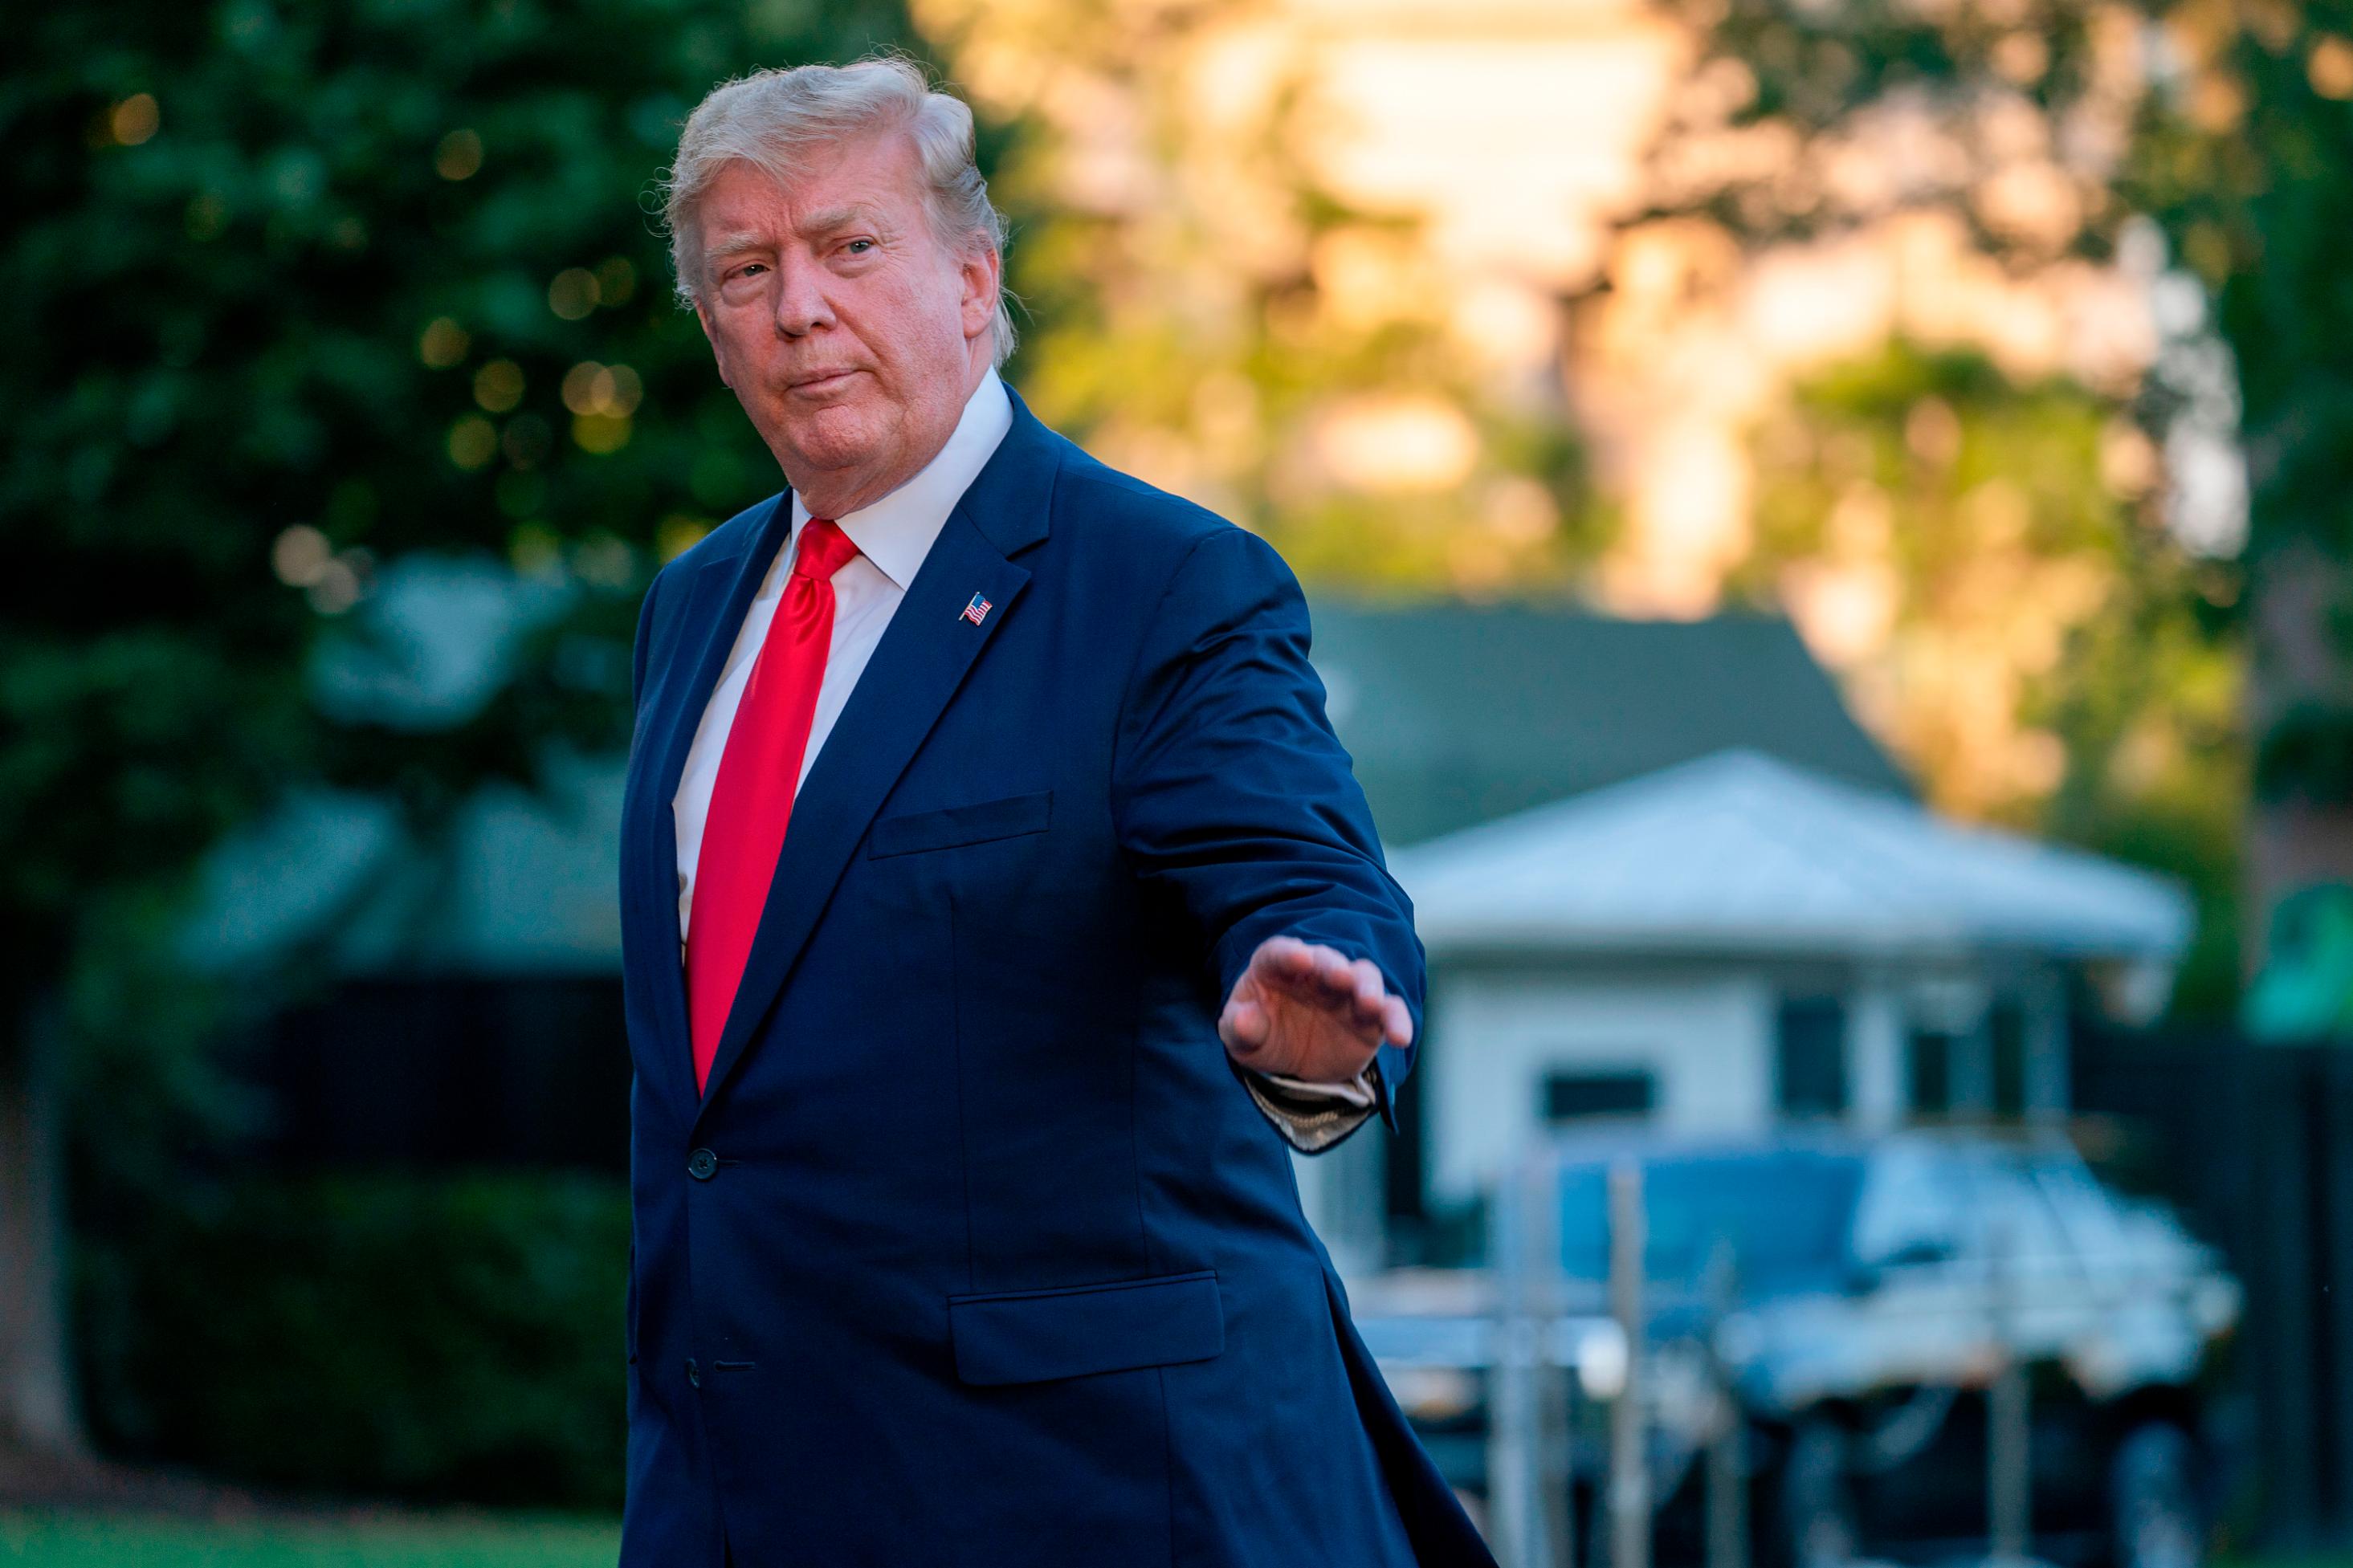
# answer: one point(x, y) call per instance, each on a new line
point(230, 407)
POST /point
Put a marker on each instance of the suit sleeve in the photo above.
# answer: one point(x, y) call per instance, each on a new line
point(1231, 789)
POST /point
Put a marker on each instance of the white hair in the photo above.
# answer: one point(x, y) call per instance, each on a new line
point(768, 118)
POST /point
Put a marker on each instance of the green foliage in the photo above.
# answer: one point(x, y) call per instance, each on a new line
point(2254, 192)
point(1928, 430)
point(1211, 371)
point(452, 1338)
point(1989, 514)
point(1816, 68)
point(2147, 700)
point(2252, 185)
point(61, 1540)
point(313, 267)
point(295, 290)
point(2238, 158)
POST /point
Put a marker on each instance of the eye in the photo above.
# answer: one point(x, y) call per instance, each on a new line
point(854, 246)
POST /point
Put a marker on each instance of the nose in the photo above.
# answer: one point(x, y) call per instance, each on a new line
point(801, 304)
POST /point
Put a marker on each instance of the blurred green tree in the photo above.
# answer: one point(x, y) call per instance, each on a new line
point(2246, 158)
point(2190, 144)
point(2038, 624)
point(1214, 316)
point(294, 291)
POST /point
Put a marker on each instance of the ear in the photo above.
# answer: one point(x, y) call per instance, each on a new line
point(702, 315)
point(982, 274)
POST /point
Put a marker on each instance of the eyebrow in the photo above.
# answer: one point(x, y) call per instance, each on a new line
point(842, 217)
point(742, 241)
point(734, 243)
point(752, 241)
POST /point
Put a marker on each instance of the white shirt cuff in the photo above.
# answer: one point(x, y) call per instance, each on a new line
point(1344, 1107)
point(1356, 1091)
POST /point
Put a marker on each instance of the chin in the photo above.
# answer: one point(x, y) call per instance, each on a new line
point(837, 436)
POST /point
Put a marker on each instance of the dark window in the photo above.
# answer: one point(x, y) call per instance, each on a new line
point(1573, 1096)
point(2007, 1024)
point(1810, 1056)
point(1931, 1072)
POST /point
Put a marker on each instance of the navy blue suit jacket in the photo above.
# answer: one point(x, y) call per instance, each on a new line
point(974, 1251)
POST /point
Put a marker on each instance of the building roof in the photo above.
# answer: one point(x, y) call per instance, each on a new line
point(1742, 853)
point(1458, 714)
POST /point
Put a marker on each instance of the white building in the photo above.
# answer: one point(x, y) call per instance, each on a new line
point(1660, 872)
point(1732, 941)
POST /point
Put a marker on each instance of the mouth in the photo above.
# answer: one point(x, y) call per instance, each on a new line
point(820, 384)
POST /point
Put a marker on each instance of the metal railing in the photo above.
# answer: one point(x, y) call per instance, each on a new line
point(1555, 1349)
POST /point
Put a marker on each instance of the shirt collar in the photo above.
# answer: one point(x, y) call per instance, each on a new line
point(896, 532)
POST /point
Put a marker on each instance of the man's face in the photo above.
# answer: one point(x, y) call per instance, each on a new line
point(850, 334)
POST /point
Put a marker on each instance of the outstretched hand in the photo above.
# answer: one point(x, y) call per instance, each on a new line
point(1304, 1010)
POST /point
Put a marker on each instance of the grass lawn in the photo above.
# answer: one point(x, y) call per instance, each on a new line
point(67, 1539)
point(64, 1540)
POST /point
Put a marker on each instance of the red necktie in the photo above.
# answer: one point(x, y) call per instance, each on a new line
point(751, 800)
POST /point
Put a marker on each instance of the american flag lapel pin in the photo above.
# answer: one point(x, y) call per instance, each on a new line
point(976, 609)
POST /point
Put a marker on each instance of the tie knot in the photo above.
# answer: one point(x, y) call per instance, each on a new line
point(823, 551)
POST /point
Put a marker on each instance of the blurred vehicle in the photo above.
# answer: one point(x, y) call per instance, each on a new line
point(1855, 1299)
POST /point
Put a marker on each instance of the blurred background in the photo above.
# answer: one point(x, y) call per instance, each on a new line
point(1827, 529)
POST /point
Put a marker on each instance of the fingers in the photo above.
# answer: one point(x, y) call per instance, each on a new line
point(1308, 970)
point(1286, 959)
point(1243, 1027)
point(1367, 995)
point(1352, 990)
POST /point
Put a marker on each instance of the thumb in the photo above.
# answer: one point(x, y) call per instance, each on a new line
point(1243, 1027)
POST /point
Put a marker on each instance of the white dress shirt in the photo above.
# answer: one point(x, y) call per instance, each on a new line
point(893, 535)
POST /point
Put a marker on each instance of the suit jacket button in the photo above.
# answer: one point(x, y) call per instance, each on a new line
point(693, 1372)
point(702, 1164)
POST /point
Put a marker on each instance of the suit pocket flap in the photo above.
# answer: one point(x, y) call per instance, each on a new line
point(983, 819)
point(1030, 1336)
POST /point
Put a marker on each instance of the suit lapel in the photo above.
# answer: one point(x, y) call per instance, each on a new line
point(718, 596)
point(915, 669)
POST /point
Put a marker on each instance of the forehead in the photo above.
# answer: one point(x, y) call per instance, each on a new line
point(877, 173)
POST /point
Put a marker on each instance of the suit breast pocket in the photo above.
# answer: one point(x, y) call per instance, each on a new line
point(1008, 817)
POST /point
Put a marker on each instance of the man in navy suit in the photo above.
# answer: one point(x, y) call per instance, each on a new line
point(999, 911)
